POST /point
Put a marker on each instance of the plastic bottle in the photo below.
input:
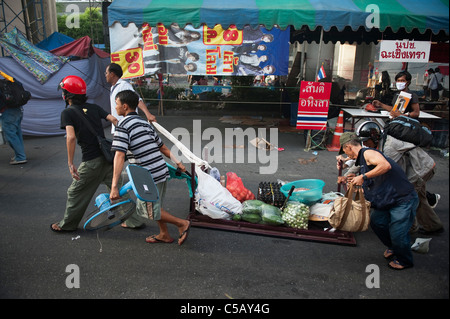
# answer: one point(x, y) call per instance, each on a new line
point(215, 173)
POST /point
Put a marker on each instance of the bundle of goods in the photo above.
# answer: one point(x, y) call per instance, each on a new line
point(236, 187)
point(258, 212)
point(270, 193)
point(214, 200)
point(296, 215)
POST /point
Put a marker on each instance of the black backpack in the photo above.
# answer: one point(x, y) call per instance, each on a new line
point(12, 94)
point(408, 130)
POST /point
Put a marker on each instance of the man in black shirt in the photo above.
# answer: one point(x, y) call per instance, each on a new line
point(402, 82)
point(94, 169)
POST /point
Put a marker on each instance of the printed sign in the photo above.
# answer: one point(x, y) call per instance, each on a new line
point(200, 51)
point(219, 36)
point(404, 51)
point(313, 104)
point(130, 61)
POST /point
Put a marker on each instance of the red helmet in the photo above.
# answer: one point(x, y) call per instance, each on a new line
point(73, 84)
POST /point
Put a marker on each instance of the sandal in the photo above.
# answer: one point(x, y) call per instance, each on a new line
point(154, 240)
point(388, 253)
point(395, 264)
point(185, 233)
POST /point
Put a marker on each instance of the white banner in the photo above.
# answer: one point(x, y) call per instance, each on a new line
point(404, 51)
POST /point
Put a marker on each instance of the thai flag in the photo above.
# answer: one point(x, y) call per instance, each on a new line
point(321, 75)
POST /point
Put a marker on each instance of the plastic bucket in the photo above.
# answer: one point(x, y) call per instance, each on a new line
point(310, 196)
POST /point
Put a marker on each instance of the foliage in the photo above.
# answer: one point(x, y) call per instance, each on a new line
point(90, 23)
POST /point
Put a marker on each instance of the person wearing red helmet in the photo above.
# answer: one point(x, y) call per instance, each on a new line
point(94, 169)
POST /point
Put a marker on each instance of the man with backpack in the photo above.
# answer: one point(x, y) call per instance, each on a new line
point(12, 97)
point(94, 168)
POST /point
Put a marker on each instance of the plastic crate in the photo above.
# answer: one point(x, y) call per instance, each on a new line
point(270, 193)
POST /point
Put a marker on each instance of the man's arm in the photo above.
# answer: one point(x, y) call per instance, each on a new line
point(71, 142)
point(377, 103)
point(150, 117)
point(166, 151)
point(376, 159)
point(119, 160)
point(112, 119)
point(414, 113)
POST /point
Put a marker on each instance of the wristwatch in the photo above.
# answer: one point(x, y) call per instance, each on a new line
point(407, 114)
point(364, 177)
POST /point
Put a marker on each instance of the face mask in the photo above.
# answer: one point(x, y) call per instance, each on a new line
point(400, 85)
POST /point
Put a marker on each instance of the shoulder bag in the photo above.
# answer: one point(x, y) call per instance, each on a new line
point(104, 143)
point(348, 214)
point(440, 87)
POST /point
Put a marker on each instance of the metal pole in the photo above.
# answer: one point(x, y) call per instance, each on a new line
point(320, 53)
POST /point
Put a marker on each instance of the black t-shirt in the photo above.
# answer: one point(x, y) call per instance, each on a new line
point(87, 141)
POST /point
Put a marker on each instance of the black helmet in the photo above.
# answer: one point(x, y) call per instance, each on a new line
point(369, 130)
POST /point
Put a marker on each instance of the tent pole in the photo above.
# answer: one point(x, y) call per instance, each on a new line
point(161, 93)
point(320, 53)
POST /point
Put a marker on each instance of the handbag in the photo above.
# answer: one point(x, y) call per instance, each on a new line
point(348, 214)
point(105, 146)
point(104, 143)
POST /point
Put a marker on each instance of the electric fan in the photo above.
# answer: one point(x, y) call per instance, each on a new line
point(107, 215)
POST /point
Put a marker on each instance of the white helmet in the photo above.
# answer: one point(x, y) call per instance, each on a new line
point(369, 130)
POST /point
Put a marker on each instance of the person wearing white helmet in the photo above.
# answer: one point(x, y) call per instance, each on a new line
point(369, 133)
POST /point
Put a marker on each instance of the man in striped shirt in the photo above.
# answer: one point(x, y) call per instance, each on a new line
point(138, 136)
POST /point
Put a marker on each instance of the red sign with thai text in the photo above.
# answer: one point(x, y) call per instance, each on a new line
point(313, 104)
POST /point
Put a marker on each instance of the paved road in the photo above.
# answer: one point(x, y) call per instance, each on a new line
point(211, 264)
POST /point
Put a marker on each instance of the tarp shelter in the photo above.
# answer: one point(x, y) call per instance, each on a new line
point(42, 113)
point(380, 14)
point(81, 48)
point(312, 20)
point(55, 40)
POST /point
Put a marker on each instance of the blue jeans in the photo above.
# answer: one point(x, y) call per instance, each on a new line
point(12, 131)
point(392, 228)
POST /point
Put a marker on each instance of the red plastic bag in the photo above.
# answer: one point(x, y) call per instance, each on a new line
point(236, 187)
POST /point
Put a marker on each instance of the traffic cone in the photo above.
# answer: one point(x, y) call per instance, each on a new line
point(335, 145)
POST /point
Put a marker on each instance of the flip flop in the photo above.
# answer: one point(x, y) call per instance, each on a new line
point(388, 253)
point(154, 240)
point(185, 232)
point(395, 264)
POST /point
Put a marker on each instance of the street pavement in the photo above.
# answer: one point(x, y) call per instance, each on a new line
point(36, 263)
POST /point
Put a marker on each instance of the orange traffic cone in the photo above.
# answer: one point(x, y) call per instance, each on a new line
point(335, 145)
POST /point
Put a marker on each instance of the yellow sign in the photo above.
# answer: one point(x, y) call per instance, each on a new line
point(131, 62)
point(219, 36)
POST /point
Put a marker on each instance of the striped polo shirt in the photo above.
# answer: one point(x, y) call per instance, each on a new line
point(139, 137)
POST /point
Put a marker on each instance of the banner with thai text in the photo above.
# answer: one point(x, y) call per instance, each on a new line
point(213, 51)
point(313, 104)
point(404, 51)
